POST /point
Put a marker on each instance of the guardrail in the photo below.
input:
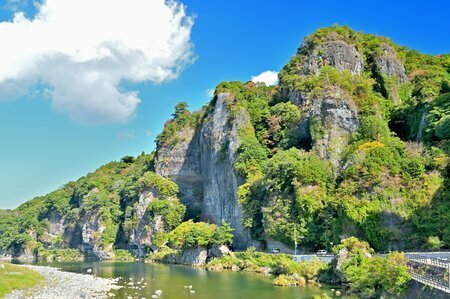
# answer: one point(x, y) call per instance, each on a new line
point(327, 258)
point(431, 271)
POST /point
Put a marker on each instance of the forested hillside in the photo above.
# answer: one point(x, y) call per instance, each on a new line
point(353, 141)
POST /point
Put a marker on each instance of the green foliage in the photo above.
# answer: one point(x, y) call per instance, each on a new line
point(107, 194)
point(291, 192)
point(354, 246)
point(433, 243)
point(251, 154)
point(182, 119)
point(14, 277)
point(439, 118)
point(443, 127)
point(171, 210)
point(164, 187)
point(128, 159)
point(161, 255)
point(279, 264)
point(284, 118)
point(60, 255)
point(284, 280)
point(371, 277)
point(223, 234)
point(181, 109)
point(373, 128)
point(191, 234)
point(123, 255)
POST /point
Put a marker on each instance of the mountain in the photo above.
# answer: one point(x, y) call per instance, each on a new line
point(353, 141)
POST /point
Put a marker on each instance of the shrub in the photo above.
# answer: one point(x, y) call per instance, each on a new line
point(123, 255)
point(433, 243)
point(284, 280)
point(372, 276)
point(190, 234)
point(172, 212)
point(165, 187)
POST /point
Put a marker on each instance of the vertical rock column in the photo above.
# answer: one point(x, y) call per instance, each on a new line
point(219, 141)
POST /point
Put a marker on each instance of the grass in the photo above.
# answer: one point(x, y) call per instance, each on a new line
point(14, 277)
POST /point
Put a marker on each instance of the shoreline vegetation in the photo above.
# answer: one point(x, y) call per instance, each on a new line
point(355, 270)
point(15, 277)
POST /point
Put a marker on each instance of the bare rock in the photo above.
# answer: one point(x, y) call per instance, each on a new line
point(388, 64)
point(219, 251)
point(335, 53)
point(333, 118)
point(195, 256)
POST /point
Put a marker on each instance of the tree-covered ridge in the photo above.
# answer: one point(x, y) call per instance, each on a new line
point(390, 189)
point(101, 190)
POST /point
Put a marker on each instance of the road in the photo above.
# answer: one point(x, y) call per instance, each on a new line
point(444, 255)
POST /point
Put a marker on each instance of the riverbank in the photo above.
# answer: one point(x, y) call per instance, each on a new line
point(14, 277)
point(58, 284)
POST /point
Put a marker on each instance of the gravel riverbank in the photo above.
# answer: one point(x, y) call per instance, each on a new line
point(67, 285)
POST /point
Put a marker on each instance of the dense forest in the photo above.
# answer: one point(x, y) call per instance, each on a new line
point(353, 141)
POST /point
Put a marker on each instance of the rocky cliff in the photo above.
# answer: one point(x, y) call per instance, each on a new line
point(202, 164)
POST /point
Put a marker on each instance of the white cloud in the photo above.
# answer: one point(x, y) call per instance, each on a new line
point(267, 77)
point(81, 51)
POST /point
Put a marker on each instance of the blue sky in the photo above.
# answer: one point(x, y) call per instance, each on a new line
point(42, 148)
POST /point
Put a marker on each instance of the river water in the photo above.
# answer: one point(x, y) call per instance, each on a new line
point(174, 280)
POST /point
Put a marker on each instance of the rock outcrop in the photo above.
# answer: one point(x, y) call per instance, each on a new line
point(333, 117)
point(202, 163)
point(390, 71)
point(141, 236)
point(181, 163)
point(388, 64)
point(219, 251)
point(195, 256)
point(219, 141)
point(335, 53)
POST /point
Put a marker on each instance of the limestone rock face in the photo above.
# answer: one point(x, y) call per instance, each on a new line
point(202, 164)
point(335, 53)
point(219, 251)
point(388, 64)
point(219, 141)
point(91, 231)
point(195, 256)
point(333, 117)
point(56, 228)
point(181, 163)
point(141, 237)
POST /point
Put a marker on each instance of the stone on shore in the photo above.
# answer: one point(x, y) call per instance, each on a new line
point(59, 284)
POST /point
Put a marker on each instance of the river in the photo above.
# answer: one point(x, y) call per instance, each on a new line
point(174, 280)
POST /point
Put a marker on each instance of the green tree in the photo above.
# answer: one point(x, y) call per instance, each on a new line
point(433, 242)
point(181, 109)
